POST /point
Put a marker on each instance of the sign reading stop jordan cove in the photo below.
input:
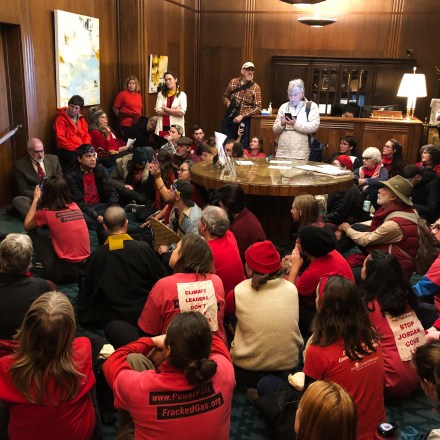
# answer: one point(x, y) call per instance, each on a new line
point(408, 333)
point(199, 296)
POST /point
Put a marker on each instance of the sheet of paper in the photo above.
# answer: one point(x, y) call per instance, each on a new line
point(219, 139)
point(279, 167)
point(281, 161)
point(130, 142)
point(244, 162)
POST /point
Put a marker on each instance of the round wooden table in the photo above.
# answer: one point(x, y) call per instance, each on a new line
point(270, 189)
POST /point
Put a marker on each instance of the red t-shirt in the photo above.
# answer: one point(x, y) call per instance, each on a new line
point(91, 195)
point(400, 376)
point(68, 232)
point(227, 261)
point(164, 405)
point(129, 103)
point(333, 262)
point(183, 291)
point(363, 380)
point(70, 420)
point(259, 155)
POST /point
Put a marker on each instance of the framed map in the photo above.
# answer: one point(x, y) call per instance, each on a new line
point(76, 57)
point(158, 67)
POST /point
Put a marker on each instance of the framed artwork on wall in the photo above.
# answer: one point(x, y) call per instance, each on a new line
point(158, 67)
point(76, 57)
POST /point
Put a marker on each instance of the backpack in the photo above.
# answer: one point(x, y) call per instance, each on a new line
point(426, 253)
point(315, 146)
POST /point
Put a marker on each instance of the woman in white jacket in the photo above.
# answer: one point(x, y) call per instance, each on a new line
point(293, 124)
point(171, 104)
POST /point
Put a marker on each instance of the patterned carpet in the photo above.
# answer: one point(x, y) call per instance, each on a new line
point(246, 423)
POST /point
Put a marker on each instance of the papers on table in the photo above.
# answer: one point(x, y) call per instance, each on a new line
point(280, 167)
point(324, 169)
point(287, 162)
point(244, 162)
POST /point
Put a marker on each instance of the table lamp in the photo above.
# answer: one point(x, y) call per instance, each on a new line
point(412, 86)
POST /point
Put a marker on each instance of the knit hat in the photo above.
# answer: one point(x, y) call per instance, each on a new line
point(316, 241)
point(345, 161)
point(184, 190)
point(142, 155)
point(184, 141)
point(262, 257)
point(85, 149)
point(400, 187)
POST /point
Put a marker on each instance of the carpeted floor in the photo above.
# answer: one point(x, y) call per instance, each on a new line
point(246, 423)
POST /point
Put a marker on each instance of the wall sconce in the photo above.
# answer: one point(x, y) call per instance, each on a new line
point(412, 86)
point(317, 21)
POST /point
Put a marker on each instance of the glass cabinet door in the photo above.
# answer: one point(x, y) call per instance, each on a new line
point(324, 88)
point(353, 86)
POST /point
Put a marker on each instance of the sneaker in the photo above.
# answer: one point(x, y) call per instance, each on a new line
point(133, 207)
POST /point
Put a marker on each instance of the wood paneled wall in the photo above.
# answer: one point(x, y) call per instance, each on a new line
point(36, 21)
point(165, 28)
point(233, 32)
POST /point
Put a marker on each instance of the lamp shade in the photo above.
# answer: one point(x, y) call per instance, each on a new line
point(413, 84)
point(317, 21)
point(298, 2)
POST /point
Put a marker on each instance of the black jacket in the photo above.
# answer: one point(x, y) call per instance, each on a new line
point(426, 196)
point(345, 206)
point(104, 185)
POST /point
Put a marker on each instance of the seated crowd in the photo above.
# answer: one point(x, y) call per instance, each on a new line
point(197, 301)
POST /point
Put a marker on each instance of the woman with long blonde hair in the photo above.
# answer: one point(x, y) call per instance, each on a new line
point(46, 383)
point(326, 411)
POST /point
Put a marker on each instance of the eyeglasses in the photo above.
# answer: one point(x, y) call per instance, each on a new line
point(387, 146)
point(181, 170)
point(435, 227)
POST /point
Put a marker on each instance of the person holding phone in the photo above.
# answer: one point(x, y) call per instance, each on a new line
point(295, 121)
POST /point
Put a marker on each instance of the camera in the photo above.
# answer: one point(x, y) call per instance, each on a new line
point(233, 109)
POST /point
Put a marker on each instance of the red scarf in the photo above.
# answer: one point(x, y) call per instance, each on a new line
point(371, 172)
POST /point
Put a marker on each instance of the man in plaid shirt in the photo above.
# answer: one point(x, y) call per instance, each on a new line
point(242, 98)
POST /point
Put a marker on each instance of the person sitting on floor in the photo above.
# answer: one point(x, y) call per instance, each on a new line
point(255, 149)
point(345, 206)
point(393, 227)
point(430, 155)
point(196, 377)
point(118, 275)
point(429, 284)
point(425, 194)
point(214, 228)
point(143, 132)
point(426, 361)
point(132, 179)
point(104, 140)
point(267, 339)
point(392, 158)
point(192, 286)
point(326, 408)
point(71, 131)
point(347, 147)
point(17, 288)
point(30, 170)
point(392, 306)
point(184, 152)
point(371, 174)
point(344, 348)
point(90, 186)
point(318, 245)
point(47, 383)
point(58, 231)
point(206, 151)
point(244, 225)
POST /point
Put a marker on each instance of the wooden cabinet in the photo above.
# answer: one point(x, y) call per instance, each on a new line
point(338, 81)
point(368, 132)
